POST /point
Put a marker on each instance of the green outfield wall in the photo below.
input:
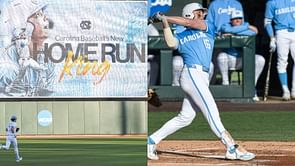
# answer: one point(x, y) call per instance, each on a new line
point(77, 117)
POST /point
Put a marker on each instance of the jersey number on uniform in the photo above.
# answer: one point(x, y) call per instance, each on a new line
point(207, 43)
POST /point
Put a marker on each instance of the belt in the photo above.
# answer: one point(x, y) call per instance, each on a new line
point(288, 30)
point(199, 67)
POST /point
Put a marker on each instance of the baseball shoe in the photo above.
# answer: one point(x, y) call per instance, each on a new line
point(255, 98)
point(286, 96)
point(152, 152)
point(225, 82)
point(19, 159)
point(293, 94)
point(238, 153)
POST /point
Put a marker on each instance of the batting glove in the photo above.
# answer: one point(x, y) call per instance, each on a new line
point(159, 17)
point(272, 44)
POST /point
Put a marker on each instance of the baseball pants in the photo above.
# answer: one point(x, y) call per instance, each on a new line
point(285, 42)
point(195, 84)
point(12, 140)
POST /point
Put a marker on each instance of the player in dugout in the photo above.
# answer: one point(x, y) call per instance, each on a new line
point(231, 58)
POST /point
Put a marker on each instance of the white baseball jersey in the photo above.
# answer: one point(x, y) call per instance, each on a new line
point(11, 139)
point(10, 129)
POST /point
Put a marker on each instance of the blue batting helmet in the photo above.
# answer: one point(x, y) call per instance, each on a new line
point(13, 118)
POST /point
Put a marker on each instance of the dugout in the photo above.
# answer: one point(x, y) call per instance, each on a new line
point(240, 92)
point(261, 47)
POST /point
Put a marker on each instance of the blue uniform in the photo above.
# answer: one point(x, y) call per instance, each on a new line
point(196, 46)
point(282, 12)
point(179, 28)
point(241, 30)
point(220, 11)
point(230, 59)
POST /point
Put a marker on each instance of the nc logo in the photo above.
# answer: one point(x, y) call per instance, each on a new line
point(44, 118)
point(85, 25)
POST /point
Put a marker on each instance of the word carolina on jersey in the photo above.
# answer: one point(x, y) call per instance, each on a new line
point(194, 36)
point(285, 10)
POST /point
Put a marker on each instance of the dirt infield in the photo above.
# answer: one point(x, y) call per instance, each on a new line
point(206, 153)
point(200, 153)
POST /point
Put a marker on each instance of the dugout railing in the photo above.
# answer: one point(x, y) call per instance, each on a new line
point(235, 92)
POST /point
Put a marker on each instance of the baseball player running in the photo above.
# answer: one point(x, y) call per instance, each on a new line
point(231, 59)
point(282, 13)
point(195, 44)
point(11, 131)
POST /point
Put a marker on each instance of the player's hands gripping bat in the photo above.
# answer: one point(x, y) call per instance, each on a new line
point(157, 17)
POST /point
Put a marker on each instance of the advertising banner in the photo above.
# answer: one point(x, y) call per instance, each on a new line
point(73, 49)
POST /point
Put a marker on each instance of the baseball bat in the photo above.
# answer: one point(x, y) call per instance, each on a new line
point(267, 77)
point(150, 20)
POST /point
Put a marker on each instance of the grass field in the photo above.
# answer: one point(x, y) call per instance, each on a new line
point(78, 152)
point(263, 126)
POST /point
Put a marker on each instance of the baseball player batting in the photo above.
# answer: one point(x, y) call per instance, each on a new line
point(28, 26)
point(195, 44)
point(11, 131)
point(283, 15)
